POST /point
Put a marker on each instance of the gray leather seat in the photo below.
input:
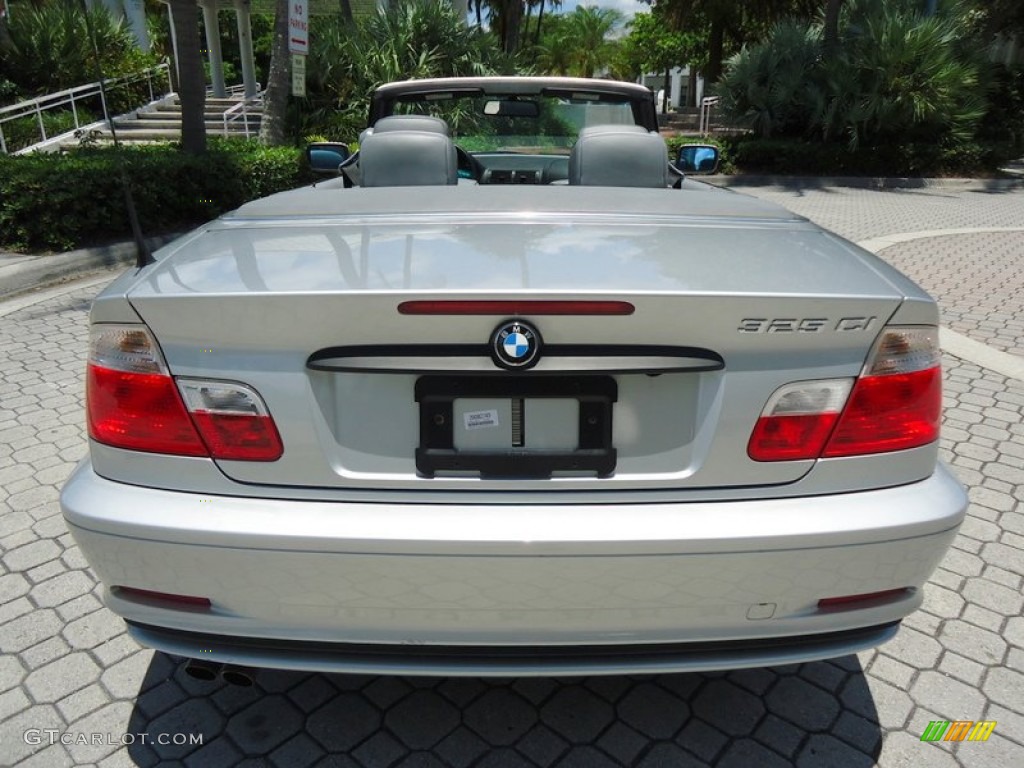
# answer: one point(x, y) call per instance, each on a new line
point(406, 123)
point(425, 123)
point(397, 157)
point(619, 156)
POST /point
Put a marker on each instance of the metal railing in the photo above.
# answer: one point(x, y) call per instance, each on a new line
point(706, 105)
point(243, 111)
point(74, 97)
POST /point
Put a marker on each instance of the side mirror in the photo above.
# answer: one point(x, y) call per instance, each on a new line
point(326, 157)
point(698, 158)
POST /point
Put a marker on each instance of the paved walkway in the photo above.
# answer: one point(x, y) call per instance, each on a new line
point(68, 665)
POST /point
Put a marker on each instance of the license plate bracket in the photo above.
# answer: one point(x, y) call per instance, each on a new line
point(436, 451)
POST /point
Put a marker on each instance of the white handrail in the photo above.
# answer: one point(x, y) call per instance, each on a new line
point(241, 111)
point(36, 107)
point(705, 113)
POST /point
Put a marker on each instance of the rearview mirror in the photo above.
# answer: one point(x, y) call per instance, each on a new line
point(511, 108)
point(325, 157)
point(698, 158)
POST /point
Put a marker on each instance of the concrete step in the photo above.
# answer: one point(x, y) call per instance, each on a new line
point(216, 104)
point(211, 125)
point(176, 116)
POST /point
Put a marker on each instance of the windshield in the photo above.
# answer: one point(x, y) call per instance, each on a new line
point(547, 123)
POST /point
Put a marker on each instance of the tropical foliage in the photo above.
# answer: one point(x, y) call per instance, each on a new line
point(580, 43)
point(48, 49)
point(895, 76)
point(410, 39)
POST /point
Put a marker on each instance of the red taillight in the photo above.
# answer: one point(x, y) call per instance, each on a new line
point(133, 402)
point(796, 422)
point(139, 412)
point(232, 419)
point(889, 413)
point(894, 405)
point(502, 307)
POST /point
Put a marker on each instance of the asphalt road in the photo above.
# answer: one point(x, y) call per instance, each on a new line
point(69, 672)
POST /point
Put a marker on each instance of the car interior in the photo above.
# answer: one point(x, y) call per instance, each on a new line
point(554, 139)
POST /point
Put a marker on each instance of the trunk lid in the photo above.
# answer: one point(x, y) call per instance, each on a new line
point(772, 299)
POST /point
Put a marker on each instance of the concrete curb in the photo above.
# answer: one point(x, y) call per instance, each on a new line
point(24, 273)
point(862, 182)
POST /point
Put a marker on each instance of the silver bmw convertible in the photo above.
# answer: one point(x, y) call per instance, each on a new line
point(510, 394)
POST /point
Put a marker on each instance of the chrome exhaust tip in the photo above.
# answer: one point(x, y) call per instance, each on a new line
point(199, 669)
point(240, 676)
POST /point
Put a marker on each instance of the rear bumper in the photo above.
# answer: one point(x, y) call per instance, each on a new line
point(513, 661)
point(744, 577)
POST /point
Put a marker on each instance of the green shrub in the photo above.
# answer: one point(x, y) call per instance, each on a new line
point(809, 158)
point(62, 201)
point(895, 77)
point(50, 49)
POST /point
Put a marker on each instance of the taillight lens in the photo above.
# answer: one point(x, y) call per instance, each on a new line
point(133, 402)
point(798, 419)
point(894, 405)
point(897, 402)
point(232, 419)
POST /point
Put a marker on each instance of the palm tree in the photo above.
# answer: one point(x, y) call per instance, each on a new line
point(587, 31)
point(191, 80)
point(275, 98)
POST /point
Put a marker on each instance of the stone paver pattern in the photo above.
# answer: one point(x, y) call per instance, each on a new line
point(68, 667)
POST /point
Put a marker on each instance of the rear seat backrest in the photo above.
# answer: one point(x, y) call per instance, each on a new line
point(425, 123)
point(407, 158)
point(619, 156)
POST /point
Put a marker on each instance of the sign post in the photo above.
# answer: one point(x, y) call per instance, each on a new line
point(298, 43)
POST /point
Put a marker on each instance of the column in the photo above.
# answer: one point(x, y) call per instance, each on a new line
point(245, 47)
point(174, 45)
point(676, 91)
point(213, 47)
point(135, 12)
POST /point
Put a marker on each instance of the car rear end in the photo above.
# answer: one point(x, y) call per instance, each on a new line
point(492, 441)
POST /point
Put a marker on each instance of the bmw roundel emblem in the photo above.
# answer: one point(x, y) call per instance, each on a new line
point(515, 344)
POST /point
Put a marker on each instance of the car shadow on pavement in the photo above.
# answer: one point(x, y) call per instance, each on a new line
point(821, 713)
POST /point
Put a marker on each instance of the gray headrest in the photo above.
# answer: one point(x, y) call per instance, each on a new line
point(407, 159)
point(425, 123)
point(619, 156)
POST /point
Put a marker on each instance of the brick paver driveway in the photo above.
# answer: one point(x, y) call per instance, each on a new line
point(69, 672)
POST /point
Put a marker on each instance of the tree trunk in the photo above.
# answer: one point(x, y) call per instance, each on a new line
point(346, 10)
point(191, 80)
point(832, 8)
point(665, 90)
point(715, 46)
point(513, 19)
point(540, 18)
point(275, 98)
point(691, 87)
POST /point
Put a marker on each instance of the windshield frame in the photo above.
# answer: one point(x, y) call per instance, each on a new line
point(640, 98)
